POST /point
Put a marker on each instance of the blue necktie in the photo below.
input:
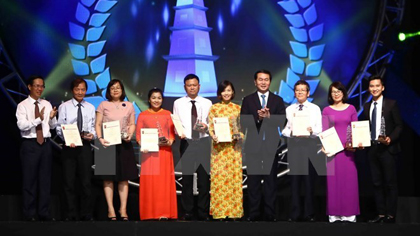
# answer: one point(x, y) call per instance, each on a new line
point(263, 100)
point(300, 107)
point(373, 131)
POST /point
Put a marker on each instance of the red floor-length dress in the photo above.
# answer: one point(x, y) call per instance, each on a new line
point(157, 180)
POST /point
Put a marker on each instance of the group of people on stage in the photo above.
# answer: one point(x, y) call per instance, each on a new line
point(256, 127)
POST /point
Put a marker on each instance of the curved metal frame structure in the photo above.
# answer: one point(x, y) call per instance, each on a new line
point(379, 55)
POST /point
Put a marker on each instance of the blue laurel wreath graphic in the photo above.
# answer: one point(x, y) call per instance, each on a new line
point(302, 16)
point(88, 58)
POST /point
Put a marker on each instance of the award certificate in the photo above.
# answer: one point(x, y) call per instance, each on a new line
point(149, 139)
point(112, 132)
point(71, 135)
point(222, 129)
point(178, 125)
point(300, 124)
point(331, 142)
point(360, 133)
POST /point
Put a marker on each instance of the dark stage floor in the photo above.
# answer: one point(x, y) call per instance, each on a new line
point(204, 228)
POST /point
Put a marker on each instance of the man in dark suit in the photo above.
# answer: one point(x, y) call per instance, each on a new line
point(262, 114)
point(382, 153)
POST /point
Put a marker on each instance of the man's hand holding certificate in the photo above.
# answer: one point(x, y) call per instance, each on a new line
point(301, 124)
point(71, 135)
point(360, 133)
point(112, 132)
point(222, 129)
point(149, 140)
point(331, 142)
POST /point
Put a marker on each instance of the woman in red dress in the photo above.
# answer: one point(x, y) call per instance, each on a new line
point(157, 177)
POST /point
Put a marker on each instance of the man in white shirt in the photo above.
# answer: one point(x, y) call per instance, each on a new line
point(192, 111)
point(302, 151)
point(35, 118)
point(77, 160)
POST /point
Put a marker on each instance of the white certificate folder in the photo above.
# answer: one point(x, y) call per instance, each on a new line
point(112, 132)
point(222, 129)
point(301, 123)
point(149, 140)
point(178, 125)
point(360, 131)
point(331, 142)
point(71, 135)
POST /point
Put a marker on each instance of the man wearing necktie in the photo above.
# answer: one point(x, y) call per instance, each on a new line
point(77, 160)
point(382, 155)
point(195, 148)
point(301, 156)
point(261, 114)
point(35, 118)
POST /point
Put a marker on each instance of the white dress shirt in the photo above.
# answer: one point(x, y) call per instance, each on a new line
point(67, 114)
point(379, 104)
point(182, 108)
point(26, 122)
point(315, 117)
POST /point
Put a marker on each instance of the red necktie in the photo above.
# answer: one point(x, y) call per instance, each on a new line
point(39, 135)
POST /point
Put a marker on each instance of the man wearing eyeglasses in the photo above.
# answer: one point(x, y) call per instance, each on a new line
point(302, 141)
point(35, 118)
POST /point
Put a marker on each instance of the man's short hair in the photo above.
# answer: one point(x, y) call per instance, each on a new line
point(191, 76)
point(262, 71)
point(375, 77)
point(302, 82)
point(34, 77)
point(76, 83)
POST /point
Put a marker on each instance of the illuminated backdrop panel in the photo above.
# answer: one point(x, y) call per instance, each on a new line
point(128, 40)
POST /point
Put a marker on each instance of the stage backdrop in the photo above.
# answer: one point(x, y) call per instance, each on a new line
point(155, 43)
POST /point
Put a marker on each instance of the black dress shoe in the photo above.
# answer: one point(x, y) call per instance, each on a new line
point(310, 218)
point(389, 220)
point(70, 218)
point(294, 219)
point(205, 218)
point(271, 219)
point(378, 219)
point(46, 218)
point(31, 219)
point(252, 219)
point(87, 218)
point(187, 217)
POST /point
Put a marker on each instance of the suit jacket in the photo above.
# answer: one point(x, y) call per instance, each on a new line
point(250, 105)
point(393, 122)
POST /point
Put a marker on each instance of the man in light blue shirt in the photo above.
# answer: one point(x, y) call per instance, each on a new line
point(77, 160)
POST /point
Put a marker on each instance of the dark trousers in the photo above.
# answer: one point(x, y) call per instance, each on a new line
point(36, 182)
point(77, 162)
point(384, 177)
point(262, 166)
point(301, 171)
point(258, 191)
point(195, 157)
